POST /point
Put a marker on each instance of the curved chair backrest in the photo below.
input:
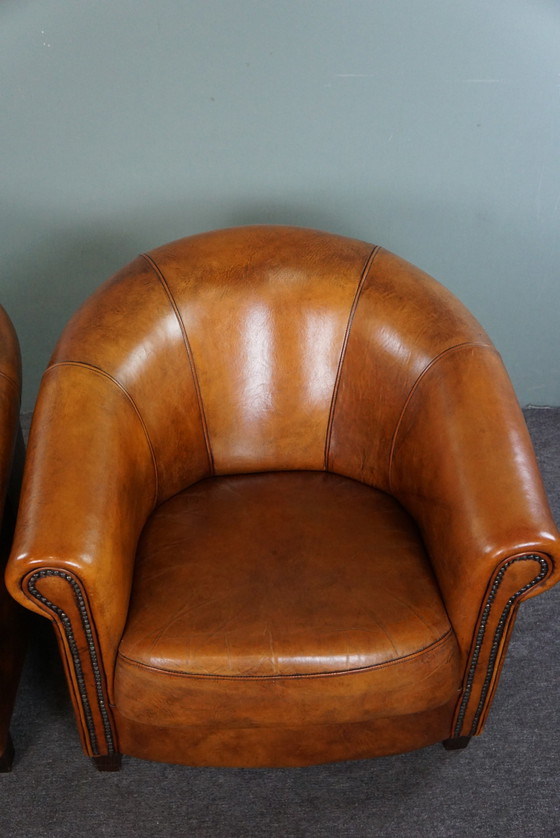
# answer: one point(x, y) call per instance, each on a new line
point(266, 348)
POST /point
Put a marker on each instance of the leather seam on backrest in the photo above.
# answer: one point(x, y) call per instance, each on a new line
point(361, 283)
point(9, 378)
point(157, 270)
point(419, 379)
point(133, 404)
point(447, 637)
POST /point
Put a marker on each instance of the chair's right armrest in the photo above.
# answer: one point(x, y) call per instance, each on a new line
point(464, 467)
point(89, 485)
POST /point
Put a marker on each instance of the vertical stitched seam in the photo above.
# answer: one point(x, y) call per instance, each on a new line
point(11, 380)
point(190, 357)
point(131, 401)
point(365, 272)
point(415, 386)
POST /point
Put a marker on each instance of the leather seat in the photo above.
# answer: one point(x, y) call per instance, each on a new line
point(11, 461)
point(296, 506)
point(269, 598)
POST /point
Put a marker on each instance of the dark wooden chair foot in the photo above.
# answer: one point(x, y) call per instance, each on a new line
point(457, 743)
point(108, 762)
point(7, 758)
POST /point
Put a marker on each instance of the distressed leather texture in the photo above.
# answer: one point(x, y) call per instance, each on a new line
point(296, 505)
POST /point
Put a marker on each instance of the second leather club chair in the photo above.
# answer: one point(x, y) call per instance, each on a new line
point(280, 504)
point(12, 627)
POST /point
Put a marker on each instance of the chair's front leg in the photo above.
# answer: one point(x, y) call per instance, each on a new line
point(61, 597)
point(7, 756)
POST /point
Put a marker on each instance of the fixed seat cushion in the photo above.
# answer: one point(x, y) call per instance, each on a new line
point(280, 599)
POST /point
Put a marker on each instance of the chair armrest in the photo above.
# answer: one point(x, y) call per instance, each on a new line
point(89, 485)
point(464, 467)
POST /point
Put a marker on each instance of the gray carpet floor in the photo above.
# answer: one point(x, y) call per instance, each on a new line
point(506, 783)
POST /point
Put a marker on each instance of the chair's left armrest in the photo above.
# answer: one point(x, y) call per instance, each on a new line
point(88, 488)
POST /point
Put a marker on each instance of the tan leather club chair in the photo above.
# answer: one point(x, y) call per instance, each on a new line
point(11, 457)
point(280, 504)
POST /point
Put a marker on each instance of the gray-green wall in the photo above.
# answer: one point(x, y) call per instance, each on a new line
point(429, 126)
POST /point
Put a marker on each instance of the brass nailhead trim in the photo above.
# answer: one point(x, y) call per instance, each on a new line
point(65, 620)
point(497, 638)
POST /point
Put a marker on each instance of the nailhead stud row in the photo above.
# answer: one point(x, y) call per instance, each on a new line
point(67, 625)
point(497, 638)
